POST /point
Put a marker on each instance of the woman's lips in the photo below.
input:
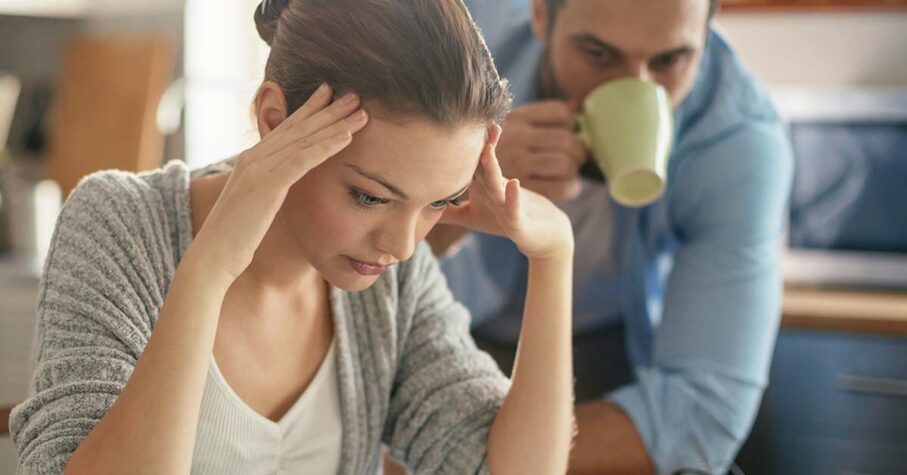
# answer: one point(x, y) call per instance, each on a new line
point(367, 268)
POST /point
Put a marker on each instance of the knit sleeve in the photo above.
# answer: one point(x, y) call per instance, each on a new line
point(103, 284)
point(446, 392)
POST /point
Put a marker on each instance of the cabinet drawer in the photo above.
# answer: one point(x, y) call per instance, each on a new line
point(834, 385)
point(813, 455)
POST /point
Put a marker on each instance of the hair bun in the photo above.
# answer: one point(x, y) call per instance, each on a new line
point(267, 14)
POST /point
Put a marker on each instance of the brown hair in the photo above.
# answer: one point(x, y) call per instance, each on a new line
point(415, 58)
point(555, 5)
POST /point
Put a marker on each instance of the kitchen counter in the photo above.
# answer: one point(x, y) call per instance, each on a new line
point(861, 311)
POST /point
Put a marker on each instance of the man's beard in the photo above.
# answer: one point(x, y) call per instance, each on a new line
point(550, 89)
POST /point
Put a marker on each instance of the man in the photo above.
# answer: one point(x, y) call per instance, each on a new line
point(676, 304)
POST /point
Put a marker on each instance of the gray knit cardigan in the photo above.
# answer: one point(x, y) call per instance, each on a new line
point(410, 375)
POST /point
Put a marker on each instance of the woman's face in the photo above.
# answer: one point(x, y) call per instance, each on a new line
point(367, 207)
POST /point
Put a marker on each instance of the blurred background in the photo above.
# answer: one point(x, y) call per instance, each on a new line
point(87, 85)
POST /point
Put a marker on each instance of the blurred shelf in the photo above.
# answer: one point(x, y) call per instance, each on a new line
point(80, 9)
point(44, 8)
point(845, 310)
point(811, 5)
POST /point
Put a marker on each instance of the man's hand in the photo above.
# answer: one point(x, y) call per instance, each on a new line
point(538, 148)
point(499, 206)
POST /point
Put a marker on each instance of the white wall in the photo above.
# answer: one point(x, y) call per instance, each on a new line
point(822, 48)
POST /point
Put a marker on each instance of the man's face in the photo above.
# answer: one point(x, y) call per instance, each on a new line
point(595, 41)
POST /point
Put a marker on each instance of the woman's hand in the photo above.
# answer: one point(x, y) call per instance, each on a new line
point(500, 206)
point(263, 174)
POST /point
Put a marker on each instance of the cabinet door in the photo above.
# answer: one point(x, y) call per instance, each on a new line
point(835, 403)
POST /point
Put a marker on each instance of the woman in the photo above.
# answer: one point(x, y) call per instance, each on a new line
point(278, 314)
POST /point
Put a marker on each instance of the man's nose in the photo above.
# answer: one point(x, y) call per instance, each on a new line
point(639, 71)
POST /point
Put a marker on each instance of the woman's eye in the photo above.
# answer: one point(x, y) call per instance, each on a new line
point(366, 199)
point(445, 203)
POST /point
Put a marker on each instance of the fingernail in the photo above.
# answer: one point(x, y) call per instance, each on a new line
point(321, 91)
point(342, 137)
point(358, 116)
point(349, 98)
point(494, 134)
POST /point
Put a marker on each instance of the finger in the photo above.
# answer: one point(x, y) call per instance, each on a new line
point(316, 102)
point(295, 166)
point(299, 133)
point(551, 164)
point(279, 137)
point(494, 135)
point(352, 124)
point(555, 190)
point(338, 110)
point(578, 152)
point(550, 139)
point(491, 162)
point(490, 178)
point(512, 198)
point(556, 113)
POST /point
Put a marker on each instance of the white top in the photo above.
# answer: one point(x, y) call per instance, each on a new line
point(234, 439)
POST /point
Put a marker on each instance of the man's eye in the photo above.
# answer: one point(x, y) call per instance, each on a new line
point(667, 61)
point(598, 55)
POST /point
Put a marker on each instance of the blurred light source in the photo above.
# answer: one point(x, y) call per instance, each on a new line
point(224, 65)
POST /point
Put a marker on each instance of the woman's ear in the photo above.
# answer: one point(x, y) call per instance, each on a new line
point(270, 107)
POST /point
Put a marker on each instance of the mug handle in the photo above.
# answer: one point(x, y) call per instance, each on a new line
point(581, 130)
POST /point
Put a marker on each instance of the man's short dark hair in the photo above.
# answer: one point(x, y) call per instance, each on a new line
point(555, 5)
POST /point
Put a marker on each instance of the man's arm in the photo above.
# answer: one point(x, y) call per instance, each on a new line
point(602, 424)
point(694, 406)
point(444, 238)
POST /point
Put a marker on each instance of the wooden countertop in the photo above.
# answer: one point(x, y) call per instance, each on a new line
point(845, 310)
point(4, 419)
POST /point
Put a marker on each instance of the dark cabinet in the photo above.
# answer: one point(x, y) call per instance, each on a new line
point(836, 404)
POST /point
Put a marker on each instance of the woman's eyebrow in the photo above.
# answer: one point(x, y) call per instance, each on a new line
point(381, 180)
point(393, 189)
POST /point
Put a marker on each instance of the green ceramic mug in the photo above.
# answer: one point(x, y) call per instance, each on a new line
point(627, 126)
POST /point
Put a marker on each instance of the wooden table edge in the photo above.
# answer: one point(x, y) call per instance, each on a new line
point(845, 310)
point(4, 420)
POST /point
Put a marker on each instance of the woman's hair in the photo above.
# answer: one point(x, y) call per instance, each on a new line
point(414, 58)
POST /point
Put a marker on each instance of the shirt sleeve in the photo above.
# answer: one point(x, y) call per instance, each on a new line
point(695, 405)
point(92, 325)
point(447, 392)
point(487, 273)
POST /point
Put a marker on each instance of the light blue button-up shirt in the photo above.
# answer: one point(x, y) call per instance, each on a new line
point(694, 277)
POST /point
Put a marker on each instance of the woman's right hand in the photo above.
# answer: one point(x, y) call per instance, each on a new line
point(262, 176)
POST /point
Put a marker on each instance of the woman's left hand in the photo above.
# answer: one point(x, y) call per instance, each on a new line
point(499, 206)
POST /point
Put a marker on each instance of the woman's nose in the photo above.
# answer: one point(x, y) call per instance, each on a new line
point(397, 239)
